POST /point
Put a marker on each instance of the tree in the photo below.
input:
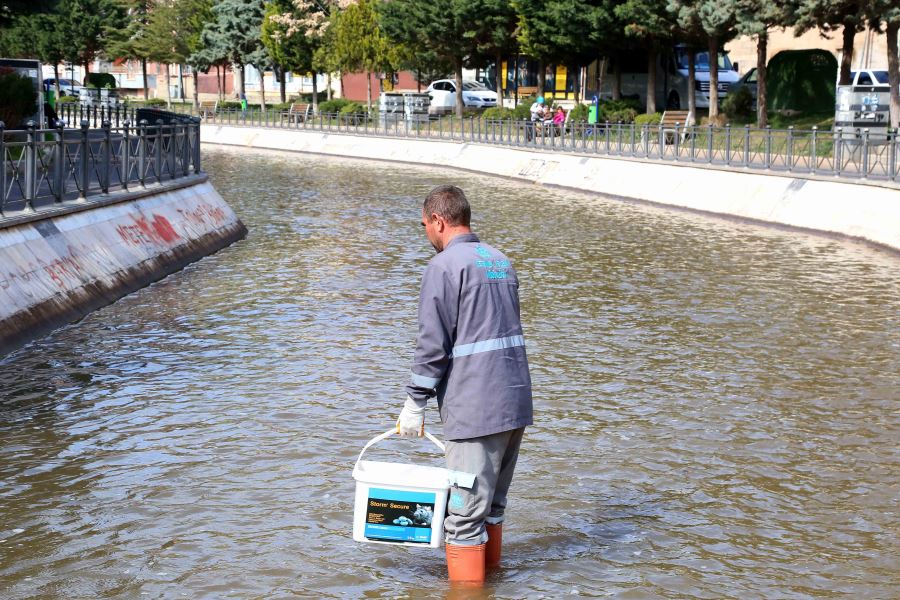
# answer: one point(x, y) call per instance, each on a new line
point(495, 36)
point(829, 16)
point(690, 32)
point(360, 44)
point(648, 22)
point(234, 32)
point(163, 41)
point(885, 15)
point(559, 32)
point(126, 42)
point(756, 18)
point(87, 24)
point(444, 31)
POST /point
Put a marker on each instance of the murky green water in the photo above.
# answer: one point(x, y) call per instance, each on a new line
point(716, 405)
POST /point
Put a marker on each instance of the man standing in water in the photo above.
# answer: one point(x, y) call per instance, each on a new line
point(470, 353)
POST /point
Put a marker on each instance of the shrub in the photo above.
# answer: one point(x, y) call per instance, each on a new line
point(624, 110)
point(281, 106)
point(66, 99)
point(353, 108)
point(155, 102)
point(523, 110)
point(330, 107)
point(738, 103)
point(16, 98)
point(653, 119)
point(101, 80)
point(498, 112)
point(580, 112)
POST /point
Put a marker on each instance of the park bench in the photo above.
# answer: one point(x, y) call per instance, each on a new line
point(208, 107)
point(675, 122)
point(526, 91)
point(298, 112)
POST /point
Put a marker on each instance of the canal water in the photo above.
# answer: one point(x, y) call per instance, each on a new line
point(716, 405)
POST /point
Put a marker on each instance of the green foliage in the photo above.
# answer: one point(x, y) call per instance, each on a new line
point(331, 107)
point(651, 119)
point(562, 29)
point(154, 102)
point(353, 108)
point(522, 111)
point(101, 80)
point(16, 98)
point(87, 25)
point(498, 112)
point(802, 80)
point(67, 100)
point(624, 110)
point(738, 103)
point(579, 112)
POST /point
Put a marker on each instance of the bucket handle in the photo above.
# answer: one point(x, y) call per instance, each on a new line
point(388, 434)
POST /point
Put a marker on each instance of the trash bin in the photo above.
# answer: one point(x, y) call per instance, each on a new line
point(152, 115)
point(390, 108)
point(415, 106)
point(594, 111)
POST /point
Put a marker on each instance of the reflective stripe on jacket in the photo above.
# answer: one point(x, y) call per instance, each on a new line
point(470, 351)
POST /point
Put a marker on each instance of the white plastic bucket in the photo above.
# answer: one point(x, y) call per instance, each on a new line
point(400, 503)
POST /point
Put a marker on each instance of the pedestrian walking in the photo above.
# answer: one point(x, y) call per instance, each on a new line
point(470, 355)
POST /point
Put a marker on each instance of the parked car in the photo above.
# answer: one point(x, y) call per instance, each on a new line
point(67, 87)
point(750, 82)
point(443, 95)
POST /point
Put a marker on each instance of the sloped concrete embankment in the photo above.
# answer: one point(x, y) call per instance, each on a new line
point(858, 210)
point(57, 269)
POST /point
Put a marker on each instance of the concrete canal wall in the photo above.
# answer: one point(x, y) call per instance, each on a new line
point(57, 267)
point(862, 211)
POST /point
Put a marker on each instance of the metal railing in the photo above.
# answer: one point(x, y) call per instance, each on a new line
point(44, 167)
point(858, 154)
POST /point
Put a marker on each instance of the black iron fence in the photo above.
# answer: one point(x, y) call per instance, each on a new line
point(845, 153)
point(43, 167)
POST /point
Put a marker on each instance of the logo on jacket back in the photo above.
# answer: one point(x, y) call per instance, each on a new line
point(494, 269)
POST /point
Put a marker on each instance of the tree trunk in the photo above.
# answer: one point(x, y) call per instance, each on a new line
point(328, 86)
point(542, 78)
point(368, 91)
point(146, 84)
point(168, 89)
point(56, 79)
point(181, 82)
point(218, 83)
point(893, 73)
point(499, 85)
point(713, 77)
point(651, 81)
point(262, 87)
point(692, 86)
point(847, 53)
point(762, 44)
point(459, 89)
point(315, 93)
point(617, 79)
point(242, 88)
point(196, 88)
point(282, 85)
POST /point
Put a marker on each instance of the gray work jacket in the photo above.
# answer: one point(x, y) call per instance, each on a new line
point(470, 351)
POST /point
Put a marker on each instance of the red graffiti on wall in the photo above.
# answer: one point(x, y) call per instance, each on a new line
point(143, 232)
point(204, 214)
point(62, 268)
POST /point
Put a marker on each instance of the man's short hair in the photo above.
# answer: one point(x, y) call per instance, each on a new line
point(449, 202)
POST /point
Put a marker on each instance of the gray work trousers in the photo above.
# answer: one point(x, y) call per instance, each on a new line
point(492, 458)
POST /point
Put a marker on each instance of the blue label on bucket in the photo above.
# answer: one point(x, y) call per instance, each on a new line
point(399, 516)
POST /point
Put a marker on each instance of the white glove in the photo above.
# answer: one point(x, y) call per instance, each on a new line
point(411, 422)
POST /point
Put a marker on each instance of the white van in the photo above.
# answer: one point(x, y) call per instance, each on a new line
point(671, 77)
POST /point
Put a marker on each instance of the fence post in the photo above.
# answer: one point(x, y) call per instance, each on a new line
point(186, 146)
point(790, 148)
point(125, 170)
point(892, 153)
point(865, 156)
point(2, 166)
point(157, 155)
point(142, 152)
point(172, 156)
point(106, 158)
point(85, 166)
point(30, 165)
point(768, 164)
point(814, 158)
point(747, 145)
point(59, 172)
point(196, 129)
point(837, 151)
